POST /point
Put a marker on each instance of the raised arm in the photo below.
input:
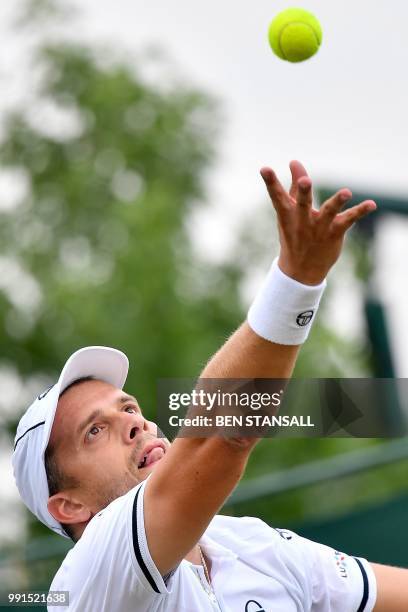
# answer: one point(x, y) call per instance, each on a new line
point(196, 476)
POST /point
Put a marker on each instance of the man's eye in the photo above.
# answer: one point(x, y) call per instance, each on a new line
point(93, 431)
point(130, 409)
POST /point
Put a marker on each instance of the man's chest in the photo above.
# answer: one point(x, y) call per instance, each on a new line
point(253, 591)
point(240, 587)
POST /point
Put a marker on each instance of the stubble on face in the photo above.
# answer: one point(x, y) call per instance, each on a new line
point(110, 489)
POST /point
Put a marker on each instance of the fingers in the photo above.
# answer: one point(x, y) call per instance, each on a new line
point(297, 170)
point(304, 198)
point(277, 193)
point(279, 196)
point(333, 205)
point(347, 218)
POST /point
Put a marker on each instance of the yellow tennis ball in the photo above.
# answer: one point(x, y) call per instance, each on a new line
point(295, 35)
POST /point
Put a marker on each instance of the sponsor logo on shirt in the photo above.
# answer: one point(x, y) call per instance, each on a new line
point(253, 606)
point(341, 563)
point(284, 534)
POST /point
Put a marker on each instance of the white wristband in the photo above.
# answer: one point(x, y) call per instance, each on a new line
point(284, 309)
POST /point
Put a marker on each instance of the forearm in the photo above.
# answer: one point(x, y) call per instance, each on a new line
point(247, 355)
point(213, 465)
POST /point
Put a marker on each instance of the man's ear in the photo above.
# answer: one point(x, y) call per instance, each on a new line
point(66, 509)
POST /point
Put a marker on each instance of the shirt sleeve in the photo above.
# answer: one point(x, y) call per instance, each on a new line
point(338, 582)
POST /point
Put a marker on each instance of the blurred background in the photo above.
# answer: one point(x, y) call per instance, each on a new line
point(132, 214)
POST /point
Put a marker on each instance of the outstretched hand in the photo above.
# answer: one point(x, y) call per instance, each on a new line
point(311, 240)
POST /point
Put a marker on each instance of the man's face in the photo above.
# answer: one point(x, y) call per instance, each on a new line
point(102, 441)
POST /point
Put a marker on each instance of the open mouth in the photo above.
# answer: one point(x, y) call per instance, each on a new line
point(151, 454)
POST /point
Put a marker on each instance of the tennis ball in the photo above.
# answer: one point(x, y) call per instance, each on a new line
point(295, 35)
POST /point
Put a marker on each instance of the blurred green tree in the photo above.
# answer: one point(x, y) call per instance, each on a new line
point(97, 250)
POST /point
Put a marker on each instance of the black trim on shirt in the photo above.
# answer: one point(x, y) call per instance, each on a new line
point(26, 432)
point(365, 582)
point(136, 546)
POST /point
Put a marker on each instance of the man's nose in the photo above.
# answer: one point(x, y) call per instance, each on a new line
point(135, 425)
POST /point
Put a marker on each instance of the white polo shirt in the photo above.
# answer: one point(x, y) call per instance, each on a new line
point(254, 568)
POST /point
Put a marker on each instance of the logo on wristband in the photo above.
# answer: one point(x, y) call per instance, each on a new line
point(304, 318)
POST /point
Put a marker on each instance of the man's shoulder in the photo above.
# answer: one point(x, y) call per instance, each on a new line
point(240, 528)
point(112, 523)
point(102, 557)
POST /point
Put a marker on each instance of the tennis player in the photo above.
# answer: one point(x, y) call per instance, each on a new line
point(143, 513)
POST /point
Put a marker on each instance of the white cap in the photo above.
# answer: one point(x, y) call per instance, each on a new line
point(34, 428)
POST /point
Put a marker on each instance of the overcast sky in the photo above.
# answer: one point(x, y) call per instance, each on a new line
point(343, 113)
